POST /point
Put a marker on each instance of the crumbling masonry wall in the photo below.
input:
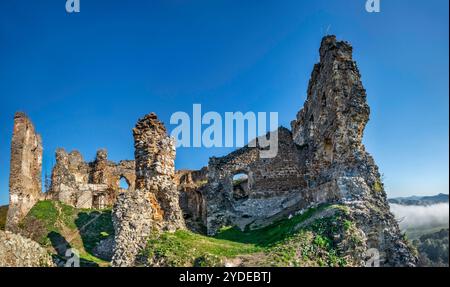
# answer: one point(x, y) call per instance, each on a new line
point(155, 169)
point(274, 187)
point(191, 185)
point(154, 205)
point(25, 183)
point(89, 184)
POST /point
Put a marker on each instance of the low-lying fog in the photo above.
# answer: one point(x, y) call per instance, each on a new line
point(412, 216)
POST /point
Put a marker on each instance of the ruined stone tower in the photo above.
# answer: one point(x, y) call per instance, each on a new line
point(154, 205)
point(329, 130)
point(25, 183)
point(155, 169)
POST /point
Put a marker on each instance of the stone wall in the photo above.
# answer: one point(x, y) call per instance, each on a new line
point(155, 169)
point(89, 184)
point(273, 188)
point(191, 186)
point(25, 186)
point(154, 205)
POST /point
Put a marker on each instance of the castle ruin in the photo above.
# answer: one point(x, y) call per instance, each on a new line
point(89, 184)
point(321, 160)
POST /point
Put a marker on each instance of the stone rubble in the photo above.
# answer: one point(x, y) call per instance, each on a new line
point(18, 251)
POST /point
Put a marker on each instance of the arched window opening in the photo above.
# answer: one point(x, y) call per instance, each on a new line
point(124, 185)
point(240, 186)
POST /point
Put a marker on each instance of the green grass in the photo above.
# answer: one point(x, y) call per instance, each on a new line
point(283, 243)
point(93, 227)
point(304, 240)
point(314, 244)
point(3, 215)
point(58, 227)
point(269, 235)
point(185, 248)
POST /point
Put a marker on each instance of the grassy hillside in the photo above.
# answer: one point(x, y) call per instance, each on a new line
point(315, 238)
point(59, 227)
point(3, 213)
point(318, 237)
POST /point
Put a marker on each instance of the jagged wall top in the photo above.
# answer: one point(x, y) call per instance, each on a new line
point(335, 112)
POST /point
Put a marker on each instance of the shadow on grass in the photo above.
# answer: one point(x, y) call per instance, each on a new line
point(94, 227)
point(269, 235)
point(63, 252)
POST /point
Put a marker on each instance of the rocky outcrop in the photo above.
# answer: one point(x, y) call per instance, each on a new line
point(25, 183)
point(154, 205)
point(322, 161)
point(329, 129)
point(17, 251)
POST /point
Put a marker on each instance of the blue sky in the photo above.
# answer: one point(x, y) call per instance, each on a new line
point(86, 78)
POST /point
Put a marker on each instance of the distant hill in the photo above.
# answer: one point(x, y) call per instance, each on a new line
point(421, 200)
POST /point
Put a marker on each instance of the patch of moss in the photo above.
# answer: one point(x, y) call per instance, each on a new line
point(378, 186)
point(3, 215)
point(347, 224)
point(202, 183)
